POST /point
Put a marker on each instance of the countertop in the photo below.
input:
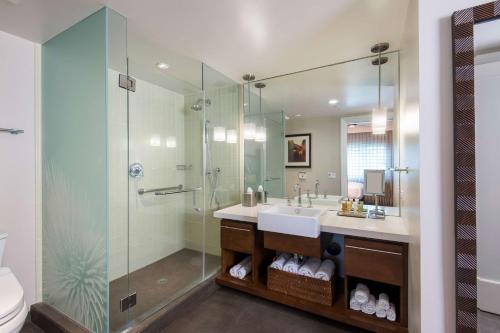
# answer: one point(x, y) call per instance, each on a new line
point(391, 229)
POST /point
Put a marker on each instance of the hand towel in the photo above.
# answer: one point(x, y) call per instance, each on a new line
point(369, 307)
point(310, 267)
point(383, 301)
point(245, 268)
point(280, 261)
point(292, 265)
point(234, 270)
point(325, 271)
point(380, 313)
point(353, 304)
point(391, 313)
point(362, 293)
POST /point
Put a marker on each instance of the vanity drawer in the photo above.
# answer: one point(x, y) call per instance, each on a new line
point(237, 236)
point(293, 244)
point(375, 260)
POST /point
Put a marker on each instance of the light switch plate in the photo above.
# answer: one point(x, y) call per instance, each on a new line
point(332, 175)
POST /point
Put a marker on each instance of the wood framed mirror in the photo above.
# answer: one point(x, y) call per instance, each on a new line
point(476, 62)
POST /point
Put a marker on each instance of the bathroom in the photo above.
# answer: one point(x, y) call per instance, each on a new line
point(182, 167)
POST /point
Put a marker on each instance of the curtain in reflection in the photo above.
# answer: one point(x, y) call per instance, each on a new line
point(368, 151)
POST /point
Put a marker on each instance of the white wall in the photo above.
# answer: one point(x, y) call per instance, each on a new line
point(436, 166)
point(409, 155)
point(17, 159)
point(325, 151)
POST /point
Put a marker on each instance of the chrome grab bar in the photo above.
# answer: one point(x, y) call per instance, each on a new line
point(168, 190)
point(271, 179)
point(12, 130)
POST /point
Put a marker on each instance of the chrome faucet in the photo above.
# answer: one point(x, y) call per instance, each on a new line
point(309, 202)
point(299, 190)
point(316, 188)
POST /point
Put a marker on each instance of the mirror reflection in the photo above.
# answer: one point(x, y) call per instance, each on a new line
point(311, 135)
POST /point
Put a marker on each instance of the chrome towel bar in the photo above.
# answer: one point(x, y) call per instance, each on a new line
point(12, 130)
point(168, 190)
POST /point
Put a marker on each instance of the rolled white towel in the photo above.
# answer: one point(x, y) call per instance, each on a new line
point(292, 265)
point(325, 271)
point(369, 307)
point(353, 304)
point(234, 270)
point(310, 267)
point(246, 268)
point(362, 293)
point(391, 313)
point(383, 301)
point(280, 261)
point(380, 313)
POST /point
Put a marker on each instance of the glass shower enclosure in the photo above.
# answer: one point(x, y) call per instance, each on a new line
point(140, 146)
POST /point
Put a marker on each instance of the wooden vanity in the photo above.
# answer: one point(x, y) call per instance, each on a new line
point(382, 265)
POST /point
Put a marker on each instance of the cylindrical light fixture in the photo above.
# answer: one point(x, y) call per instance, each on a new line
point(219, 134)
point(232, 136)
point(379, 121)
point(379, 114)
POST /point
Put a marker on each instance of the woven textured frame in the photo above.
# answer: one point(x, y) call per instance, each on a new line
point(465, 171)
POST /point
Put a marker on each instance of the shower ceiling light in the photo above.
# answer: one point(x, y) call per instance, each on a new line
point(298, 115)
point(162, 66)
point(171, 142)
point(219, 134)
point(249, 131)
point(232, 136)
point(333, 101)
point(260, 134)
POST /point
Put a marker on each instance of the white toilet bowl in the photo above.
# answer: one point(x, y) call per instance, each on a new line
point(13, 309)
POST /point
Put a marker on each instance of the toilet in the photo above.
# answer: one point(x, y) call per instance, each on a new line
point(13, 309)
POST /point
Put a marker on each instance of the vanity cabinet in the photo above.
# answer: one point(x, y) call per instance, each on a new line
point(380, 264)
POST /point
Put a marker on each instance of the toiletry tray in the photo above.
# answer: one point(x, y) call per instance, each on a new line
point(353, 214)
point(310, 289)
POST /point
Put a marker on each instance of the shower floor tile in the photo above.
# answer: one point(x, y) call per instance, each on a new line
point(157, 284)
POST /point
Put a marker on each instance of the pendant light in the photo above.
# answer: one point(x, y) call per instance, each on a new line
point(249, 130)
point(379, 114)
point(260, 134)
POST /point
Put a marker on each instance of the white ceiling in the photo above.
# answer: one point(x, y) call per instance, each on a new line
point(233, 36)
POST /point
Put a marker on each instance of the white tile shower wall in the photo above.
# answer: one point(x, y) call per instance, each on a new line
point(156, 227)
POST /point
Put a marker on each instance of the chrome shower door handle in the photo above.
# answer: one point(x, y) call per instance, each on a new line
point(196, 209)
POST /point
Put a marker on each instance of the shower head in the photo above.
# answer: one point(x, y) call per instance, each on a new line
point(198, 106)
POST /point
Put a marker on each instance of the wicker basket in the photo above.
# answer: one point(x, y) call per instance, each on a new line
point(310, 289)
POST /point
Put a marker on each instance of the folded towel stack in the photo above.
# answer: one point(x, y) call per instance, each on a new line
point(353, 303)
point(292, 265)
point(242, 269)
point(325, 271)
point(369, 307)
point(310, 267)
point(361, 300)
point(382, 305)
point(391, 313)
point(362, 293)
point(280, 261)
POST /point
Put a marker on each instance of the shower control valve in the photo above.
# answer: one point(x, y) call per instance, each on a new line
point(136, 170)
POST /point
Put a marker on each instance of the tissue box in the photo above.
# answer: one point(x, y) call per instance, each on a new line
point(249, 200)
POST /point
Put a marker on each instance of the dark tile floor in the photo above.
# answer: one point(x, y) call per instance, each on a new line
point(230, 311)
point(157, 284)
point(488, 322)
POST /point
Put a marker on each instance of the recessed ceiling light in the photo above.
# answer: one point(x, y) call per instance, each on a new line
point(162, 65)
point(333, 101)
point(287, 118)
point(298, 115)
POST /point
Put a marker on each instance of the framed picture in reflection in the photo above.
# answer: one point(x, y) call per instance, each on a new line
point(298, 150)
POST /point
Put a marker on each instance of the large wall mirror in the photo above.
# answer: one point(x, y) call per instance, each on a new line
point(476, 42)
point(314, 132)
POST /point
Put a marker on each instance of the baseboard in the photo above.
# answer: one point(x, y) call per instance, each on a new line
point(49, 319)
point(488, 294)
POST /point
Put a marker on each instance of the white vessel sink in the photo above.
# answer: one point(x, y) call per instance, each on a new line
point(296, 221)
